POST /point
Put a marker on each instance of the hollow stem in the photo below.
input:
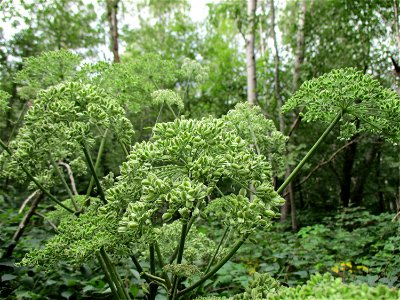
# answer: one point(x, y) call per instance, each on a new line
point(161, 263)
point(139, 268)
point(155, 278)
point(170, 108)
point(179, 260)
point(108, 276)
point(153, 285)
point(215, 268)
point(93, 171)
point(215, 253)
point(310, 153)
point(97, 163)
point(126, 152)
point(190, 223)
point(217, 250)
point(37, 183)
point(114, 275)
point(71, 176)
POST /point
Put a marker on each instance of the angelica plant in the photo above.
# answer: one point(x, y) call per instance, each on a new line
point(346, 95)
point(188, 171)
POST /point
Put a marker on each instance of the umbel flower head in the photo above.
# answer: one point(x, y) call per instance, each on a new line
point(131, 82)
point(46, 70)
point(183, 168)
point(168, 97)
point(192, 70)
point(59, 119)
point(357, 96)
point(261, 133)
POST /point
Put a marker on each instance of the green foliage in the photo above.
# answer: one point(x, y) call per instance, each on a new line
point(350, 92)
point(327, 287)
point(318, 287)
point(183, 270)
point(166, 23)
point(55, 24)
point(355, 245)
point(192, 70)
point(207, 171)
point(4, 96)
point(223, 56)
point(199, 247)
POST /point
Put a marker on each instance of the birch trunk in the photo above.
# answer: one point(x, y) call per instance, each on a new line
point(299, 57)
point(112, 10)
point(250, 55)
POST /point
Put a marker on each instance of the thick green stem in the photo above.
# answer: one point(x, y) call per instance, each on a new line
point(93, 171)
point(215, 254)
point(170, 108)
point(61, 176)
point(310, 153)
point(126, 152)
point(155, 278)
point(215, 268)
point(97, 163)
point(114, 275)
point(179, 259)
point(38, 184)
point(161, 263)
point(190, 223)
point(20, 117)
point(153, 285)
point(139, 268)
point(217, 250)
point(108, 276)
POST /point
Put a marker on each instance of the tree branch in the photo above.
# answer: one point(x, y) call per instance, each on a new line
point(70, 175)
point(22, 225)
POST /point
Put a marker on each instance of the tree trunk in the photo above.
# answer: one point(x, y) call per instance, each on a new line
point(345, 185)
point(112, 10)
point(357, 194)
point(277, 88)
point(299, 56)
point(250, 55)
point(381, 198)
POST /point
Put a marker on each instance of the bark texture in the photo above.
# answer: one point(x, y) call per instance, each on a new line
point(112, 10)
point(299, 56)
point(250, 55)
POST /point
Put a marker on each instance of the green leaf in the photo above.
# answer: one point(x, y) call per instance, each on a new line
point(8, 277)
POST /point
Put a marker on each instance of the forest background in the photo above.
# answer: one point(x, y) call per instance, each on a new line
point(340, 213)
